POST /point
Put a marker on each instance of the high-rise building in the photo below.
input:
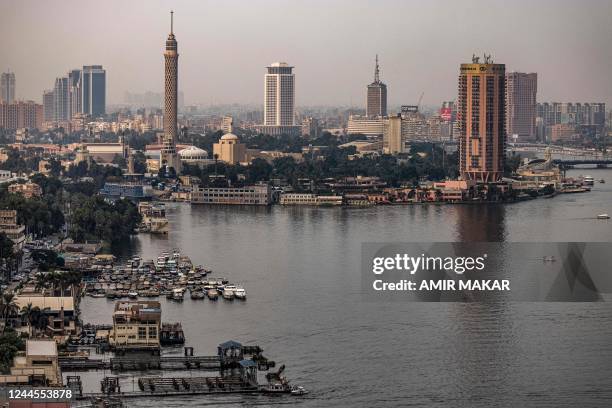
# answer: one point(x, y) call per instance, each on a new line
point(227, 124)
point(169, 157)
point(554, 113)
point(48, 106)
point(376, 104)
point(7, 87)
point(481, 115)
point(74, 92)
point(310, 127)
point(18, 115)
point(393, 142)
point(61, 100)
point(521, 90)
point(93, 90)
point(279, 95)
point(279, 101)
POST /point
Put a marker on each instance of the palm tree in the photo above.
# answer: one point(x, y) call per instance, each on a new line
point(27, 312)
point(35, 317)
point(216, 157)
point(41, 282)
point(41, 318)
point(9, 307)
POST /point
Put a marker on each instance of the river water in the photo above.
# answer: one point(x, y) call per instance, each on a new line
point(306, 308)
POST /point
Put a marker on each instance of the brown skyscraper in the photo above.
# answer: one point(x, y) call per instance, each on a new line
point(481, 114)
point(521, 90)
point(169, 156)
point(377, 95)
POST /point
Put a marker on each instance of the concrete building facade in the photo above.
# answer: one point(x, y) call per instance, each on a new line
point(521, 91)
point(482, 122)
point(229, 149)
point(7, 87)
point(247, 195)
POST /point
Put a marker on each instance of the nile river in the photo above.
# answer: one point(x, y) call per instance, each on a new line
point(305, 307)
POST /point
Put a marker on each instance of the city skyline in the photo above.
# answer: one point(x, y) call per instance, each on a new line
point(403, 40)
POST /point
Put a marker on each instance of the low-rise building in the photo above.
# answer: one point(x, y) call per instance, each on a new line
point(39, 365)
point(309, 199)
point(59, 312)
point(298, 199)
point(136, 326)
point(28, 190)
point(127, 190)
point(563, 132)
point(229, 149)
point(13, 230)
point(366, 125)
point(247, 195)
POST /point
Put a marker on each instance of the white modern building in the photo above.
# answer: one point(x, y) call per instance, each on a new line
point(279, 100)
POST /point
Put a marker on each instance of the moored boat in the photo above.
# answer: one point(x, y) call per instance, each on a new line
point(603, 217)
point(240, 293)
point(212, 294)
point(298, 390)
point(197, 295)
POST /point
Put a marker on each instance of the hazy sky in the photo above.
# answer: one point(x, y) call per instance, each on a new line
point(224, 46)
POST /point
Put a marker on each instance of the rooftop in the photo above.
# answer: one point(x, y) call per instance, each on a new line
point(41, 348)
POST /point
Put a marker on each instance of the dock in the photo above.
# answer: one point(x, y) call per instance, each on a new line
point(237, 369)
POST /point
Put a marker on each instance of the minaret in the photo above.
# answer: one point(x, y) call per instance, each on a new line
point(169, 156)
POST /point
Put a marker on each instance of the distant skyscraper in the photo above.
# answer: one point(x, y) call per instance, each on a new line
point(169, 156)
point(279, 95)
point(7, 87)
point(48, 106)
point(279, 100)
point(481, 115)
point(93, 90)
point(521, 92)
point(61, 98)
point(377, 95)
point(74, 92)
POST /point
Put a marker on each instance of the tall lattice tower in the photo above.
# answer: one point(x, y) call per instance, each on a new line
point(169, 156)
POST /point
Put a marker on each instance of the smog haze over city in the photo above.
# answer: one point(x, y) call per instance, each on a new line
point(226, 45)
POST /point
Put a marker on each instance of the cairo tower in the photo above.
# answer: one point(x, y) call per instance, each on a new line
point(169, 156)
